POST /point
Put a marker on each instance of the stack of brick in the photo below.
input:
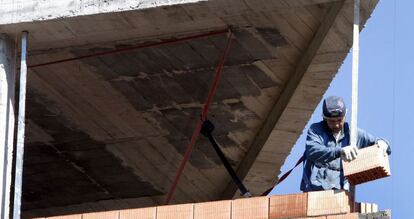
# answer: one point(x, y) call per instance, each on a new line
point(317, 205)
point(372, 163)
point(366, 207)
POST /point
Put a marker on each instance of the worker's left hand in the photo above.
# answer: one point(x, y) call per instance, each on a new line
point(383, 145)
point(349, 153)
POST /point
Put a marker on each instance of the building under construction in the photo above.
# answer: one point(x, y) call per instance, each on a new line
point(117, 91)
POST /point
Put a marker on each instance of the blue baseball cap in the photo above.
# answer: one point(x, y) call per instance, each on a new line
point(334, 106)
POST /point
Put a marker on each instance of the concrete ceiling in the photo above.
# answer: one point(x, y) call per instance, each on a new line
point(109, 131)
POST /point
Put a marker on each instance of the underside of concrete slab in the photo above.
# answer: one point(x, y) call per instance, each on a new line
point(110, 129)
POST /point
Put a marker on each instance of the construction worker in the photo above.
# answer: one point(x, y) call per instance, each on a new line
point(327, 143)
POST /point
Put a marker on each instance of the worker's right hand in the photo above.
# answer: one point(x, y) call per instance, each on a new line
point(349, 153)
point(383, 145)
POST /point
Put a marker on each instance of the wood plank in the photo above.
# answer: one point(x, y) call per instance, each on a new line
point(284, 99)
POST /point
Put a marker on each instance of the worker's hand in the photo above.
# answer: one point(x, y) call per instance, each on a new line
point(383, 145)
point(349, 153)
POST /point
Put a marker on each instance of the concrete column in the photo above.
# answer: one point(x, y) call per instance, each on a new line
point(7, 119)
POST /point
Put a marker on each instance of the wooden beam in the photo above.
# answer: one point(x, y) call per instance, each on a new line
point(287, 93)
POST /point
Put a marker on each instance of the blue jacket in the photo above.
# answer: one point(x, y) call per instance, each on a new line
point(322, 169)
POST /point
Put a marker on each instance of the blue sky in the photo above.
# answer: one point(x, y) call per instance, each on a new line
point(386, 101)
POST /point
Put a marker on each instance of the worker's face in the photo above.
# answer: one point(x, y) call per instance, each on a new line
point(335, 124)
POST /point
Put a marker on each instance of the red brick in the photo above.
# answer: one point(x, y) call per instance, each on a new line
point(363, 208)
point(101, 215)
point(344, 216)
point(374, 208)
point(140, 213)
point(73, 216)
point(328, 202)
point(250, 208)
point(216, 210)
point(184, 211)
point(288, 206)
point(357, 207)
point(320, 217)
point(368, 208)
point(371, 164)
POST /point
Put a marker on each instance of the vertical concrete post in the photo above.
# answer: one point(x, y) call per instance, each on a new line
point(7, 86)
point(20, 129)
point(355, 76)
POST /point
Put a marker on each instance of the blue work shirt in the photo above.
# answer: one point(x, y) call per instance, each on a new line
point(322, 168)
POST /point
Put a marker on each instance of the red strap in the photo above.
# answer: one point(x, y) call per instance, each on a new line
point(197, 129)
point(284, 176)
point(139, 46)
